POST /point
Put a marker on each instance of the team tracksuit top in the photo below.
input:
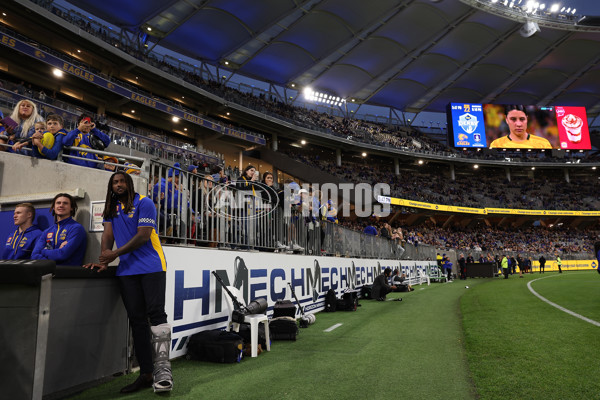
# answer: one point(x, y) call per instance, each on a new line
point(48, 245)
point(19, 245)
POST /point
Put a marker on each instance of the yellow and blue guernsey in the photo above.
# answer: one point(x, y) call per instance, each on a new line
point(80, 139)
point(149, 257)
point(19, 245)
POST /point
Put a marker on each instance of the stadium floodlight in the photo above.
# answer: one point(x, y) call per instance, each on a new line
point(554, 7)
point(318, 97)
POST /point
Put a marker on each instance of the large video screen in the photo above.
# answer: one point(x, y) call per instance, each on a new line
point(524, 127)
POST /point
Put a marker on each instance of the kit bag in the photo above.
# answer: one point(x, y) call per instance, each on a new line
point(365, 292)
point(348, 302)
point(283, 328)
point(284, 308)
point(215, 346)
point(245, 332)
point(330, 301)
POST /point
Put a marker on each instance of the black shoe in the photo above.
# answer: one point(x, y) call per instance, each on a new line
point(143, 381)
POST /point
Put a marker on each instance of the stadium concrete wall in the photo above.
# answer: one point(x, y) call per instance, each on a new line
point(28, 179)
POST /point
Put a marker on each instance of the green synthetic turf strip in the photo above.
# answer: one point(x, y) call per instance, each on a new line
point(412, 349)
point(519, 347)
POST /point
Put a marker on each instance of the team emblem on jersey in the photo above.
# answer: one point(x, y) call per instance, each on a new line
point(50, 235)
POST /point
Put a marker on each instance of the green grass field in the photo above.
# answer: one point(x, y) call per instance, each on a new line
point(495, 340)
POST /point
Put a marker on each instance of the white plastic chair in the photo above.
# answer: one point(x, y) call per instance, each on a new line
point(253, 319)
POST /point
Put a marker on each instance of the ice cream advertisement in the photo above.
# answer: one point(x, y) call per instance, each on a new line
point(572, 128)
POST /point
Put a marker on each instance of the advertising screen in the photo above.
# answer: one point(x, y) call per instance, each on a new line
point(526, 127)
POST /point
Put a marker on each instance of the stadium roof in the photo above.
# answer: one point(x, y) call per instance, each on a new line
point(412, 55)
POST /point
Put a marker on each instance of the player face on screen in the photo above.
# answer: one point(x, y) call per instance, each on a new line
point(517, 123)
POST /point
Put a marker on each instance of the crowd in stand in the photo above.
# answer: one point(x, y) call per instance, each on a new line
point(398, 137)
point(484, 190)
point(144, 140)
point(544, 191)
point(535, 240)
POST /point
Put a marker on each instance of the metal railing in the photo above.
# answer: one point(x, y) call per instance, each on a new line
point(192, 209)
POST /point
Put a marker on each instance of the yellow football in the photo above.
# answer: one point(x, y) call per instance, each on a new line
point(48, 140)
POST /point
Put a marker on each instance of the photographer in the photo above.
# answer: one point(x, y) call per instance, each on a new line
point(87, 136)
point(380, 285)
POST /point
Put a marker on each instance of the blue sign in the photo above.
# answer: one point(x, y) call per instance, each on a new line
point(467, 125)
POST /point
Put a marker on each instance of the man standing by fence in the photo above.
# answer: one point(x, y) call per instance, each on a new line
point(130, 221)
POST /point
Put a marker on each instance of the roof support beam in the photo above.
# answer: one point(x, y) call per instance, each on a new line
point(518, 74)
point(568, 82)
point(378, 83)
point(431, 94)
point(259, 41)
point(307, 77)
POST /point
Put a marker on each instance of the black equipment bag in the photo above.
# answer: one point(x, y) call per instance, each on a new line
point(401, 287)
point(246, 334)
point(330, 301)
point(284, 308)
point(283, 328)
point(215, 346)
point(348, 302)
point(365, 292)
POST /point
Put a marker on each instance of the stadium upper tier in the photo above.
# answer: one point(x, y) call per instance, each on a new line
point(272, 115)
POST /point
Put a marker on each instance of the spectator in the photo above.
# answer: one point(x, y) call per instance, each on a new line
point(50, 144)
point(329, 212)
point(132, 169)
point(86, 135)
point(65, 241)
point(370, 230)
point(21, 242)
point(25, 114)
point(110, 167)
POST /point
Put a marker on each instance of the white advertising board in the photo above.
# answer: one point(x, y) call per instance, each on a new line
point(195, 300)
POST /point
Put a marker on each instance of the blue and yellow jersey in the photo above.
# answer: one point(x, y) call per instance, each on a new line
point(49, 245)
point(19, 245)
point(79, 139)
point(149, 257)
point(52, 152)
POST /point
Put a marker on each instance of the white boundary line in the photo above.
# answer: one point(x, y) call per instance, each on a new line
point(332, 327)
point(545, 300)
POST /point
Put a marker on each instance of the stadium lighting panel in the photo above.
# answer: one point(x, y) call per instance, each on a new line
point(324, 98)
